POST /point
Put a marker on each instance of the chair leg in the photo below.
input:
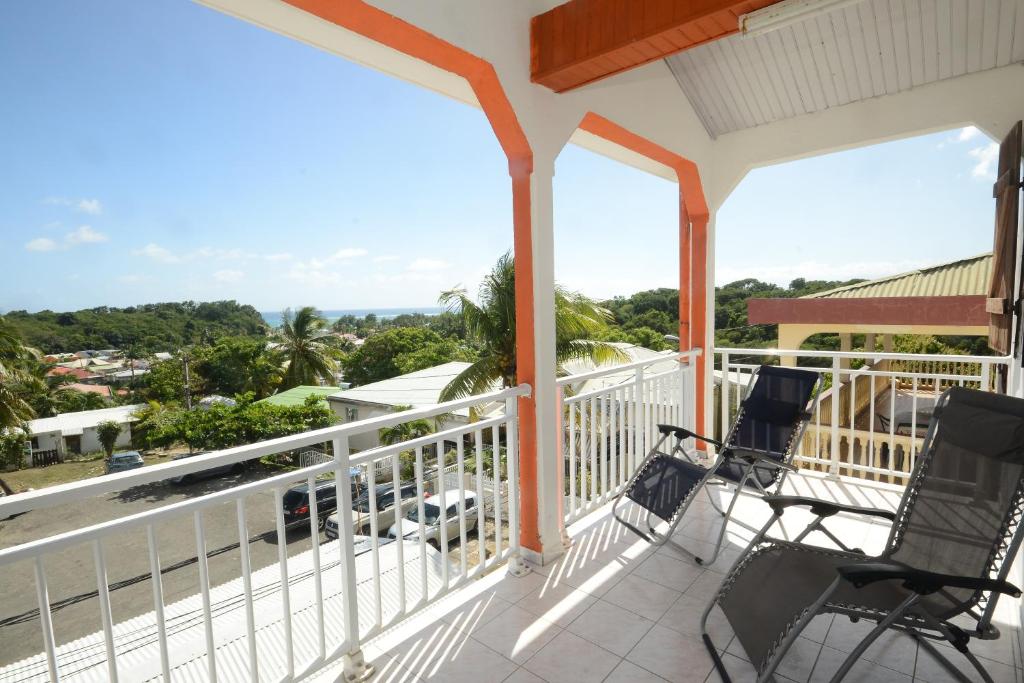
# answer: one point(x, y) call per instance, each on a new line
point(934, 652)
point(878, 630)
point(714, 504)
point(725, 524)
point(959, 644)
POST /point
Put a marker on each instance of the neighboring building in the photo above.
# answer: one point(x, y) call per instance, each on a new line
point(947, 299)
point(162, 355)
point(296, 396)
point(80, 374)
point(126, 376)
point(101, 389)
point(72, 433)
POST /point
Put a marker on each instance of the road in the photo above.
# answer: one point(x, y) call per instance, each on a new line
point(71, 576)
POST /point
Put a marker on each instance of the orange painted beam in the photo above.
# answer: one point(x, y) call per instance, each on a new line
point(966, 310)
point(583, 41)
point(693, 239)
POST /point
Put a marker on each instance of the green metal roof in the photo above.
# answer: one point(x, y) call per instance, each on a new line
point(296, 396)
point(965, 277)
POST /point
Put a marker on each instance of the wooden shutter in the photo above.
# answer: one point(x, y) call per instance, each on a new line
point(1004, 248)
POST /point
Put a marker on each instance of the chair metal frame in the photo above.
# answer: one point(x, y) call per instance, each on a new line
point(752, 459)
point(919, 624)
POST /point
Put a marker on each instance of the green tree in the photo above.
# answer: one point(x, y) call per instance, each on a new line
point(48, 395)
point(14, 355)
point(579, 324)
point(434, 353)
point(305, 344)
point(107, 432)
point(406, 431)
point(13, 445)
point(377, 358)
point(165, 381)
point(236, 365)
point(648, 338)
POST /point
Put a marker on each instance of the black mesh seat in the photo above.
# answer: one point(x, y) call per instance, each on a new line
point(953, 539)
point(755, 454)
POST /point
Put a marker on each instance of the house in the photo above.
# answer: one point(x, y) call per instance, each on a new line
point(75, 433)
point(162, 355)
point(101, 389)
point(80, 374)
point(296, 396)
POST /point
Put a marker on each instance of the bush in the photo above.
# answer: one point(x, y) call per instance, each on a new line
point(12, 450)
point(107, 432)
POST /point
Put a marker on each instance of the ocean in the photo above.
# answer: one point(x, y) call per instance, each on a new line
point(273, 318)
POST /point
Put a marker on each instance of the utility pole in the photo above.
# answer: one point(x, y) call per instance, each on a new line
point(188, 392)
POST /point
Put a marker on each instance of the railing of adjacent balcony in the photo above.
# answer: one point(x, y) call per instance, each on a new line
point(609, 419)
point(871, 419)
point(347, 607)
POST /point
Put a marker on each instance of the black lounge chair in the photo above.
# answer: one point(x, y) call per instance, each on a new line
point(756, 454)
point(954, 537)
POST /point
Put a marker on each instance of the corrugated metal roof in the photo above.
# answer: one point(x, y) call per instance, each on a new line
point(296, 396)
point(959, 278)
point(74, 423)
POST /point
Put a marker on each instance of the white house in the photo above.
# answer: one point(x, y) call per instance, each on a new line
point(71, 433)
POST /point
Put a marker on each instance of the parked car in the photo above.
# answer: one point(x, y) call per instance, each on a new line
point(233, 468)
point(296, 502)
point(386, 510)
point(119, 462)
point(410, 524)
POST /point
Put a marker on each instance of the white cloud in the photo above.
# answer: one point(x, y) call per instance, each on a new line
point(967, 133)
point(422, 264)
point(386, 258)
point(343, 254)
point(228, 276)
point(90, 206)
point(157, 253)
point(85, 235)
point(986, 158)
point(283, 256)
point(41, 244)
point(130, 278)
point(314, 276)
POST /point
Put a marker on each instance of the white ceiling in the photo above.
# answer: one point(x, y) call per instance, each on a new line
point(865, 50)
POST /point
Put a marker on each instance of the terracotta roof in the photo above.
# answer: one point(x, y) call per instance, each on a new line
point(965, 277)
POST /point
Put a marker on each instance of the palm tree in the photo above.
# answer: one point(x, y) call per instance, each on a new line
point(47, 394)
point(492, 324)
point(305, 344)
point(14, 355)
point(406, 431)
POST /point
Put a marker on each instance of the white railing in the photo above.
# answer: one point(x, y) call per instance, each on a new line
point(870, 421)
point(609, 420)
point(298, 614)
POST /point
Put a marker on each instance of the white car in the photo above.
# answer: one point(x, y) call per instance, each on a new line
point(410, 524)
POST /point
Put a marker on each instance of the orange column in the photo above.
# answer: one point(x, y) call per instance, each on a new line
point(526, 367)
point(698, 309)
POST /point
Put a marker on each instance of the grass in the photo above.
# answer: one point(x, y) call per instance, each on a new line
point(84, 467)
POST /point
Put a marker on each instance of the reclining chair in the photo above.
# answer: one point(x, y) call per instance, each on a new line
point(953, 539)
point(756, 454)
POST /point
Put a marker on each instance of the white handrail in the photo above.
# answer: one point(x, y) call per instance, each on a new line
point(632, 365)
point(880, 355)
point(66, 493)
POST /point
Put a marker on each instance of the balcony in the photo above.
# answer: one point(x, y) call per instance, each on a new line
point(464, 606)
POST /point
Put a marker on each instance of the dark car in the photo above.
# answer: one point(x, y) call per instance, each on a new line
point(296, 501)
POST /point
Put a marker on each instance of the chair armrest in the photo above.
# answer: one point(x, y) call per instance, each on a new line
point(823, 508)
point(684, 433)
point(920, 581)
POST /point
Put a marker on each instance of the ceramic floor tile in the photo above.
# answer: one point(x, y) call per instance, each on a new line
point(571, 658)
point(628, 672)
point(517, 634)
point(672, 656)
point(669, 572)
point(455, 660)
point(931, 670)
point(863, 671)
point(612, 627)
point(643, 597)
point(558, 603)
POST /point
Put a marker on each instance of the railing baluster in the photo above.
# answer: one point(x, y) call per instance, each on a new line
point(602, 430)
point(204, 589)
point(595, 474)
point(836, 386)
point(496, 485)
point(46, 620)
point(443, 522)
point(318, 584)
point(282, 561)
point(481, 518)
point(396, 484)
point(913, 424)
point(460, 459)
point(158, 601)
point(371, 507)
point(343, 491)
point(571, 409)
point(422, 524)
point(103, 592)
point(250, 618)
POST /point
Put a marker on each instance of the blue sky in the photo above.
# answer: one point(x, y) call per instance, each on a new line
point(162, 151)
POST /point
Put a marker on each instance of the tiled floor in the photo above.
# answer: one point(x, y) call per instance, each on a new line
point(613, 609)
